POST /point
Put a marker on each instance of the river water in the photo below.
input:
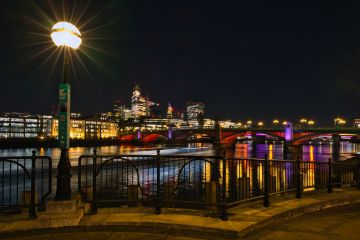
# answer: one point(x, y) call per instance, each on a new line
point(318, 153)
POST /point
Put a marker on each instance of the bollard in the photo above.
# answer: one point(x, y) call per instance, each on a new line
point(266, 182)
point(158, 197)
point(330, 183)
point(223, 214)
point(299, 189)
point(32, 210)
point(94, 197)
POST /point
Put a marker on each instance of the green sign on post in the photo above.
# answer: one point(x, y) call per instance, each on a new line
point(64, 115)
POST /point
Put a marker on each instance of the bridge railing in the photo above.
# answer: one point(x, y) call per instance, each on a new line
point(25, 181)
point(214, 183)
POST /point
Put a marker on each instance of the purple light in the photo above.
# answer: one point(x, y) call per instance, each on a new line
point(139, 134)
point(260, 134)
point(170, 133)
point(289, 132)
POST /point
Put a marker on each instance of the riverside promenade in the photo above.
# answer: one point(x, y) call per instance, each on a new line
point(244, 221)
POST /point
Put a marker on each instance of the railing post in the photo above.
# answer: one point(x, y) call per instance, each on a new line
point(32, 210)
point(266, 182)
point(79, 175)
point(299, 189)
point(358, 176)
point(158, 197)
point(330, 183)
point(223, 215)
point(94, 199)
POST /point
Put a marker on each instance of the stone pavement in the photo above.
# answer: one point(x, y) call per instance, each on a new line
point(322, 225)
point(244, 219)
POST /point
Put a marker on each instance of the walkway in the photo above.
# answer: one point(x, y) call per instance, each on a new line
point(244, 220)
point(326, 225)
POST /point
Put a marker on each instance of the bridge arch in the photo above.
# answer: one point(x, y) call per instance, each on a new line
point(232, 137)
point(152, 137)
point(303, 138)
point(127, 138)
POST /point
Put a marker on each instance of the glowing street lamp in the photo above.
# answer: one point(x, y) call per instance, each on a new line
point(260, 124)
point(276, 121)
point(66, 35)
point(311, 122)
point(339, 121)
point(303, 120)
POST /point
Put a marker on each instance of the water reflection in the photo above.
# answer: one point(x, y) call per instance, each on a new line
point(318, 153)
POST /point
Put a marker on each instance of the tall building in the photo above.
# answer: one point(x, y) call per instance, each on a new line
point(118, 110)
point(155, 110)
point(194, 110)
point(139, 105)
point(169, 112)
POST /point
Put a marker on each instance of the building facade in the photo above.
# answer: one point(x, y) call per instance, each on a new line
point(88, 129)
point(139, 105)
point(24, 125)
point(195, 112)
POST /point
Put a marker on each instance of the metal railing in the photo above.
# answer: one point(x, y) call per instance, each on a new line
point(215, 183)
point(25, 181)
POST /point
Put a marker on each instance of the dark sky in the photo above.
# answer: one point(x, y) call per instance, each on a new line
point(243, 59)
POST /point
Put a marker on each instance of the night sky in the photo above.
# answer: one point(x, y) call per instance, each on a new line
point(243, 59)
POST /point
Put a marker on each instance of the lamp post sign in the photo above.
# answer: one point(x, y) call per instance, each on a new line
point(64, 115)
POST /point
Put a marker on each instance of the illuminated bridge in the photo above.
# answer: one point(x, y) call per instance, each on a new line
point(230, 135)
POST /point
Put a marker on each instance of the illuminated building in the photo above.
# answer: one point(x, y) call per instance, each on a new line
point(139, 105)
point(75, 115)
point(155, 124)
point(195, 112)
point(77, 128)
point(227, 124)
point(127, 114)
point(23, 125)
point(169, 112)
point(118, 110)
point(88, 129)
point(357, 122)
point(209, 123)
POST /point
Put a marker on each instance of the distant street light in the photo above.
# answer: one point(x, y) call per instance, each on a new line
point(260, 124)
point(339, 121)
point(276, 121)
point(65, 35)
point(311, 122)
point(303, 120)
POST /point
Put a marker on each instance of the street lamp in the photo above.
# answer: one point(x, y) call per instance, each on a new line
point(311, 123)
point(339, 121)
point(67, 36)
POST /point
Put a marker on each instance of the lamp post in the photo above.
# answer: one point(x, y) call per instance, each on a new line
point(67, 36)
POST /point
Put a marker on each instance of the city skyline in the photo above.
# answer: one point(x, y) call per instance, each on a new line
point(218, 55)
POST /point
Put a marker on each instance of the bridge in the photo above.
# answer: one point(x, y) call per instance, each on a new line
point(230, 135)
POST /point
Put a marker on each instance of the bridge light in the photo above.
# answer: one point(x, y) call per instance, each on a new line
point(303, 120)
point(276, 121)
point(311, 122)
point(339, 121)
point(249, 122)
point(260, 124)
point(284, 122)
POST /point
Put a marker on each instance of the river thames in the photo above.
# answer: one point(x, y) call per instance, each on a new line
point(319, 152)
